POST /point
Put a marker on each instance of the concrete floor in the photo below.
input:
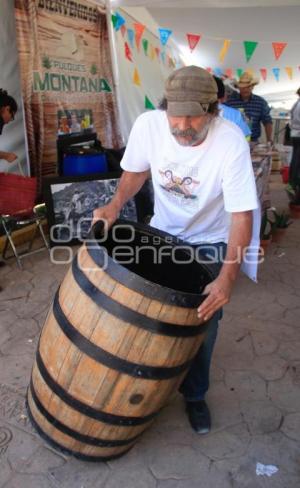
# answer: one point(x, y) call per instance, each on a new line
point(254, 395)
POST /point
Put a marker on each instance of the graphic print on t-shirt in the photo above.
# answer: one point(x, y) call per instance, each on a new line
point(181, 187)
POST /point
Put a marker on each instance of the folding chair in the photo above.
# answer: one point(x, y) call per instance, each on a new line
point(11, 223)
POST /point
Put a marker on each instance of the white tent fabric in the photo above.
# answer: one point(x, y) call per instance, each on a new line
point(13, 135)
point(152, 74)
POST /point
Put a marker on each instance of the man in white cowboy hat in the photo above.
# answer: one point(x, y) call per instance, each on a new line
point(256, 108)
point(186, 139)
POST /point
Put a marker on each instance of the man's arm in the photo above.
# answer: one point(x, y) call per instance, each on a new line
point(269, 131)
point(9, 157)
point(219, 291)
point(130, 184)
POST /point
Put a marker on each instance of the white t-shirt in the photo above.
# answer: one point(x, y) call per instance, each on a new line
point(195, 187)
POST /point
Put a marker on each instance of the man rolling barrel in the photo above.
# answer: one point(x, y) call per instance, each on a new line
point(204, 193)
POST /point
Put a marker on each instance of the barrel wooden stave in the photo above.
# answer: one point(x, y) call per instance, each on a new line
point(65, 441)
point(93, 383)
point(81, 423)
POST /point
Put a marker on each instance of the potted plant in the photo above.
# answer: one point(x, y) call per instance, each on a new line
point(279, 224)
point(265, 231)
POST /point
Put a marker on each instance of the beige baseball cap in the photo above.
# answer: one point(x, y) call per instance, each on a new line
point(189, 91)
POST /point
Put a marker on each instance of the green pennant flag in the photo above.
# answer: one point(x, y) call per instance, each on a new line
point(250, 47)
point(148, 104)
point(114, 20)
point(239, 72)
point(145, 43)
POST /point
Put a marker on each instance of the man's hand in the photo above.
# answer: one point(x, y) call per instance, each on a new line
point(108, 213)
point(9, 157)
point(219, 292)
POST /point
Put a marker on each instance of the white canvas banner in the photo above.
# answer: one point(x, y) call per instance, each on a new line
point(143, 76)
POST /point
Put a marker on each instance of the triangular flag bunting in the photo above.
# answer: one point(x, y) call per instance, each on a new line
point(152, 53)
point(250, 72)
point(263, 72)
point(145, 43)
point(276, 72)
point(289, 72)
point(218, 72)
point(118, 21)
point(239, 72)
point(250, 47)
point(136, 78)
point(130, 34)
point(229, 73)
point(157, 50)
point(224, 50)
point(114, 20)
point(164, 35)
point(148, 104)
point(139, 30)
point(171, 63)
point(193, 40)
point(128, 53)
point(123, 30)
point(278, 48)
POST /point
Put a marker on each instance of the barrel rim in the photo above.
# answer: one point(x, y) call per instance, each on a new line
point(131, 316)
point(138, 283)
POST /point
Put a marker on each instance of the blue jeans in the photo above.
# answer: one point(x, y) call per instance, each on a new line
point(196, 382)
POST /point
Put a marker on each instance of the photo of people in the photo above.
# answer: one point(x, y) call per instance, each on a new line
point(74, 121)
point(73, 204)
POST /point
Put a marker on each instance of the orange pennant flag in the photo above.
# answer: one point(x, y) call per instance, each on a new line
point(289, 72)
point(157, 50)
point(224, 50)
point(152, 53)
point(136, 78)
point(278, 48)
point(139, 30)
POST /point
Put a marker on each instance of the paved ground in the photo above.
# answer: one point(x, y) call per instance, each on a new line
point(254, 396)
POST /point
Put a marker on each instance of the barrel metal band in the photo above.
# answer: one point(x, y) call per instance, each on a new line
point(147, 288)
point(85, 439)
point(65, 450)
point(128, 315)
point(110, 360)
point(86, 409)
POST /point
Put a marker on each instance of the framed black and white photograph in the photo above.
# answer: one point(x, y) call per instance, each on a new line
point(70, 202)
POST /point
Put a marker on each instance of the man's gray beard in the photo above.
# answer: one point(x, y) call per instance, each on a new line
point(196, 137)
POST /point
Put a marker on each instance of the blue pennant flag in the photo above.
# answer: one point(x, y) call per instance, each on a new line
point(130, 33)
point(164, 35)
point(276, 72)
point(119, 21)
point(218, 72)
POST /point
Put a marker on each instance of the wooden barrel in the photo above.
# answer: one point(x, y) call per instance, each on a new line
point(117, 342)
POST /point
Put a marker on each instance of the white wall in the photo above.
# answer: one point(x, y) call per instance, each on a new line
point(12, 138)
